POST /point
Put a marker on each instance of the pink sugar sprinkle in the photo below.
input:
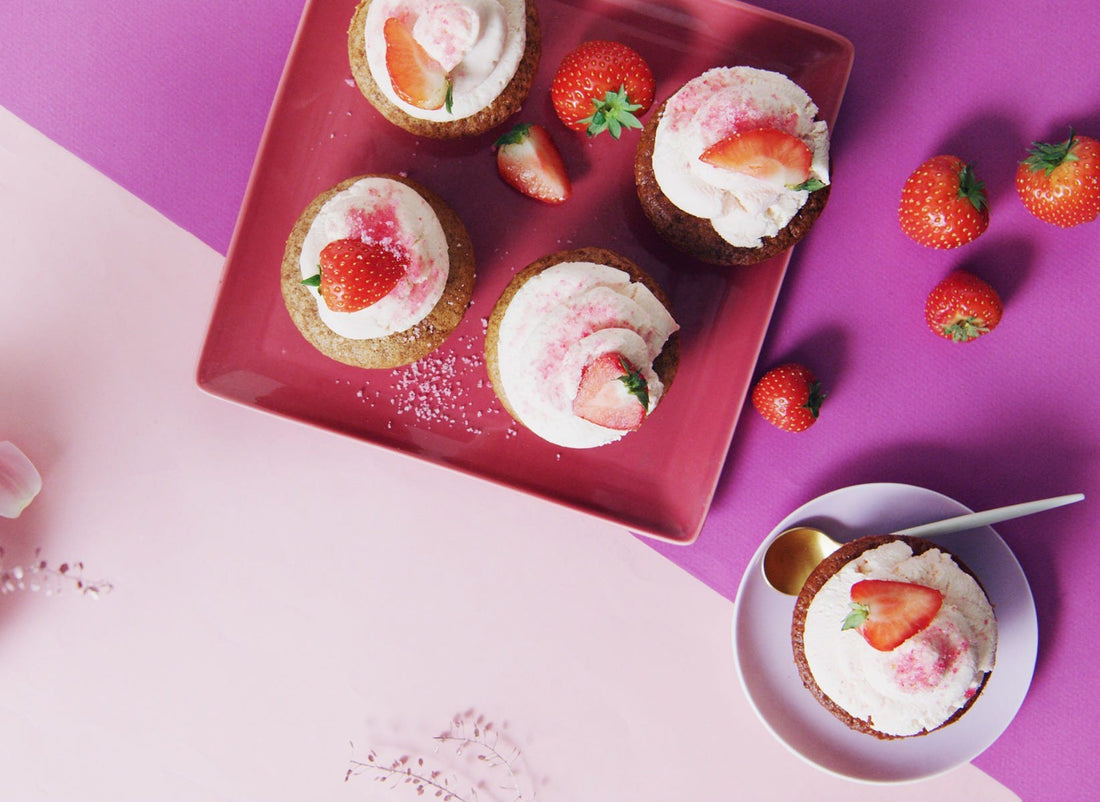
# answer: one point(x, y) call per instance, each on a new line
point(916, 673)
point(378, 225)
point(435, 390)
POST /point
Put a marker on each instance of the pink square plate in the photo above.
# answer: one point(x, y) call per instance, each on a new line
point(657, 482)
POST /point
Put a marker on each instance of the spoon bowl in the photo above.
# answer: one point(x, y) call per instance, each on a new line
point(794, 553)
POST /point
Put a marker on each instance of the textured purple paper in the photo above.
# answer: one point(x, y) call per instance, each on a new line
point(169, 99)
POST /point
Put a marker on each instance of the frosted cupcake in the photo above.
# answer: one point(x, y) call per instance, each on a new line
point(445, 68)
point(581, 347)
point(734, 167)
point(377, 271)
point(894, 636)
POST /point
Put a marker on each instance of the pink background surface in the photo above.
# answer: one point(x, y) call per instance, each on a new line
point(170, 104)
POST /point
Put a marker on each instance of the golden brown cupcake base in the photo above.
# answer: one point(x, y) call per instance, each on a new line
point(402, 347)
point(664, 366)
point(695, 235)
point(504, 106)
point(817, 579)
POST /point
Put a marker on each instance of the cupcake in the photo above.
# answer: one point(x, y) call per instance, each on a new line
point(445, 68)
point(734, 167)
point(581, 347)
point(377, 271)
point(895, 636)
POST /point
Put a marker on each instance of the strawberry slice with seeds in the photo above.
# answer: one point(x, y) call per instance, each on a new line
point(612, 393)
point(764, 153)
point(355, 274)
point(417, 78)
point(888, 613)
point(529, 161)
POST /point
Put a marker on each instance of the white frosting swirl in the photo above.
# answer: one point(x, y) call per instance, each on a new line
point(390, 212)
point(560, 320)
point(921, 683)
point(480, 41)
point(720, 103)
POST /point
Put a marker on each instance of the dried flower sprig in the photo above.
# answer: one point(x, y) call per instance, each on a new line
point(471, 735)
point(403, 770)
point(41, 576)
point(485, 738)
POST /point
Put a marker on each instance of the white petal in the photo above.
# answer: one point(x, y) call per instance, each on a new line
point(19, 481)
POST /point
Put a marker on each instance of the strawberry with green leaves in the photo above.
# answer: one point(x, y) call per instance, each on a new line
point(765, 153)
point(529, 161)
point(943, 204)
point(888, 613)
point(1060, 182)
point(355, 274)
point(789, 397)
point(612, 393)
point(962, 307)
point(602, 86)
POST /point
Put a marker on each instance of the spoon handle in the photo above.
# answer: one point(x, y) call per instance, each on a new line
point(974, 520)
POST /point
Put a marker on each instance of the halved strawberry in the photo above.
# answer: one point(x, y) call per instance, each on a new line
point(528, 160)
point(888, 613)
point(417, 78)
point(355, 274)
point(612, 393)
point(764, 153)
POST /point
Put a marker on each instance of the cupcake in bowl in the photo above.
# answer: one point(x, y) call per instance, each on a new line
point(895, 636)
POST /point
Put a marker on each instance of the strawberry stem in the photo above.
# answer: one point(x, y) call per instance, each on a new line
point(612, 114)
point(967, 329)
point(971, 189)
point(635, 383)
point(514, 135)
point(815, 400)
point(856, 617)
point(1048, 156)
point(811, 184)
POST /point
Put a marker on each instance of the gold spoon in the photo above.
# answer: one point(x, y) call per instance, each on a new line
point(795, 552)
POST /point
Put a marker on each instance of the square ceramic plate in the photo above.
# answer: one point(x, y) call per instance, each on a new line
point(658, 481)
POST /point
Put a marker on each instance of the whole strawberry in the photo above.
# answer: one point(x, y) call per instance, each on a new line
point(943, 204)
point(354, 274)
point(962, 307)
point(789, 397)
point(1060, 183)
point(602, 86)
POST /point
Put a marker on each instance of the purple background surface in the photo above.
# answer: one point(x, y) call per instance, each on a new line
point(170, 99)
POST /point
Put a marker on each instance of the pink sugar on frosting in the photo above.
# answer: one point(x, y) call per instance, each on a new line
point(723, 103)
point(378, 224)
point(721, 120)
point(925, 667)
